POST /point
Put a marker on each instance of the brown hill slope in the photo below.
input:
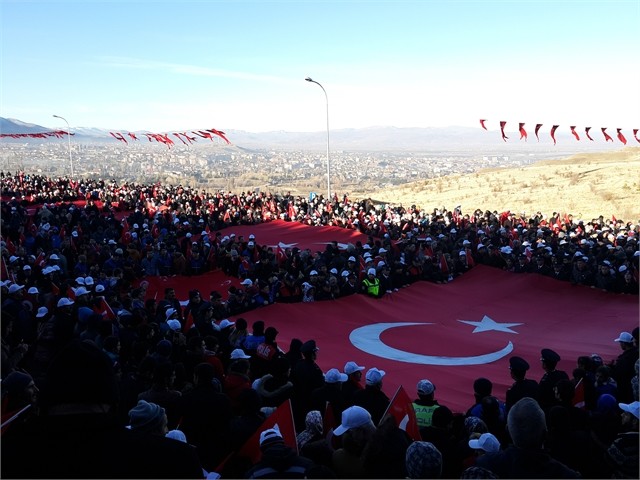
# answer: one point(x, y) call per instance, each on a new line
point(585, 185)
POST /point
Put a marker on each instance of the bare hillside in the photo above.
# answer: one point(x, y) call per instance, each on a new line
point(585, 185)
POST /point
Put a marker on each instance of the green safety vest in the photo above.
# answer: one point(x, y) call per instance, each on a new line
point(373, 288)
point(424, 414)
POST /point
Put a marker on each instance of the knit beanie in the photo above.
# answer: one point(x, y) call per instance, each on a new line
point(146, 416)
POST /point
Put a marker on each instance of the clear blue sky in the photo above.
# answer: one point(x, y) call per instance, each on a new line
point(233, 64)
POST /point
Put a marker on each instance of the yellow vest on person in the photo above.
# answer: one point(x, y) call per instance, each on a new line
point(424, 414)
point(372, 287)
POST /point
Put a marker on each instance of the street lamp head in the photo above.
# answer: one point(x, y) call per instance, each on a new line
point(308, 79)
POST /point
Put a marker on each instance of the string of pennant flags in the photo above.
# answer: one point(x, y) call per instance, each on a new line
point(165, 138)
point(126, 137)
point(524, 135)
point(54, 133)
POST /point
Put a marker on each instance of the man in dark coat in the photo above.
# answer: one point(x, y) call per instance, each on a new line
point(78, 434)
point(306, 376)
point(372, 398)
point(330, 393)
point(206, 416)
point(623, 369)
point(521, 387)
point(546, 395)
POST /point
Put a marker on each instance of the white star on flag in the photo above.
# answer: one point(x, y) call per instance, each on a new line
point(488, 324)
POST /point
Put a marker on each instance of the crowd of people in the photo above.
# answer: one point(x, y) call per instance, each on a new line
point(87, 351)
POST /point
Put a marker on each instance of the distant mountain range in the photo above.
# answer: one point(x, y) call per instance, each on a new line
point(391, 139)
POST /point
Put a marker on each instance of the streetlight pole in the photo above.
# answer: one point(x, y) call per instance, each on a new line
point(68, 138)
point(309, 79)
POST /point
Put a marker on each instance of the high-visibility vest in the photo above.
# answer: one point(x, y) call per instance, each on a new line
point(424, 414)
point(373, 287)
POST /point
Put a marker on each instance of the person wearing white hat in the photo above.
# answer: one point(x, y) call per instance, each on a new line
point(371, 284)
point(623, 369)
point(485, 443)
point(352, 385)
point(425, 404)
point(272, 464)
point(622, 455)
point(372, 398)
point(330, 393)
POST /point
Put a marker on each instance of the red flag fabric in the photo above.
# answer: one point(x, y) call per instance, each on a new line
point(401, 408)
point(635, 135)
point(574, 133)
point(482, 120)
point(523, 132)
point(282, 417)
point(538, 126)
point(41, 260)
point(188, 323)
point(621, 136)
point(103, 308)
point(464, 336)
point(10, 246)
point(456, 343)
point(553, 133)
point(586, 132)
point(502, 125)
point(607, 137)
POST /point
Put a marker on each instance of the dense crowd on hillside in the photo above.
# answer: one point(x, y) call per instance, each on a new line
point(79, 324)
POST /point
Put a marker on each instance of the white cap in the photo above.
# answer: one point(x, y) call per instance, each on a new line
point(624, 337)
point(33, 291)
point(65, 302)
point(371, 271)
point(270, 434)
point(169, 313)
point(374, 376)
point(226, 323)
point(351, 367)
point(239, 353)
point(15, 287)
point(80, 291)
point(246, 282)
point(334, 376)
point(353, 417)
point(174, 324)
point(487, 442)
point(42, 311)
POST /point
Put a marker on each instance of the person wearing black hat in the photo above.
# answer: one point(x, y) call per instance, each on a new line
point(306, 376)
point(78, 434)
point(546, 394)
point(521, 387)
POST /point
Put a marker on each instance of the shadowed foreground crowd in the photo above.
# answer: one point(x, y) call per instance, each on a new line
point(111, 383)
